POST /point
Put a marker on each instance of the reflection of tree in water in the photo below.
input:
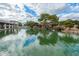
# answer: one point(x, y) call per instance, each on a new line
point(46, 38)
point(68, 44)
point(70, 47)
point(32, 31)
point(53, 37)
point(69, 39)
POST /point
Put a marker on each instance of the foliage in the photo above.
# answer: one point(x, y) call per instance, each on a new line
point(31, 23)
point(46, 39)
point(44, 17)
point(67, 23)
point(32, 31)
point(52, 20)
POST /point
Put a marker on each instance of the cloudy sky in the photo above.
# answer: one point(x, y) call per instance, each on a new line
point(31, 11)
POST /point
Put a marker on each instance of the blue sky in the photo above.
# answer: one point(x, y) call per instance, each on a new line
point(71, 10)
point(29, 10)
point(64, 11)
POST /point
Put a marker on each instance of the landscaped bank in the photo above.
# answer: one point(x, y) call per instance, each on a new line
point(51, 22)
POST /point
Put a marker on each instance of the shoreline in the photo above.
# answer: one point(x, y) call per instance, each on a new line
point(72, 30)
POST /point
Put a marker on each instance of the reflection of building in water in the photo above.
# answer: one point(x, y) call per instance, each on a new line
point(7, 32)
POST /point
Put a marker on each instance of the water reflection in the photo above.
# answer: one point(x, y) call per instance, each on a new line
point(29, 40)
point(69, 44)
point(69, 39)
point(8, 32)
point(32, 31)
point(48, 38)
point(38, 42)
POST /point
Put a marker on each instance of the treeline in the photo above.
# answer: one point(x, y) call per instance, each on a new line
point(53, 20)
point(69, 23)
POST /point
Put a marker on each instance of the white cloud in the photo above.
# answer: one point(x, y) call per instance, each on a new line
point(70, 16)
point(8, 11)
point(46, 7)
point(76, 8)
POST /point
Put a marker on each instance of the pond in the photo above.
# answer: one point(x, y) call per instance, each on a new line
point(34, 42)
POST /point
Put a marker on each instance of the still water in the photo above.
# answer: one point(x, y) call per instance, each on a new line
point(34, 42)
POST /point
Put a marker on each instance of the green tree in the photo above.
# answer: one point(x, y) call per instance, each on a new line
point(67, 23)
point(53, 18)
point(76, 22)
point(44, 17)
point(31, 23)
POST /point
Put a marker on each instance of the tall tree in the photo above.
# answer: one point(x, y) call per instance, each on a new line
point(53, 18)
point(44, 17)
